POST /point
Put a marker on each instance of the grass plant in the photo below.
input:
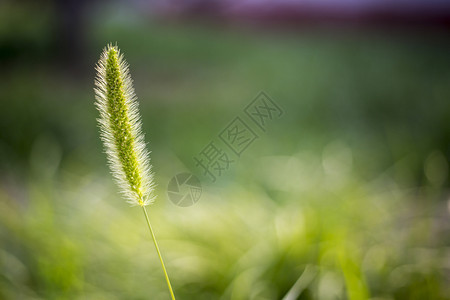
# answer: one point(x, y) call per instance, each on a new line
point(121, 133)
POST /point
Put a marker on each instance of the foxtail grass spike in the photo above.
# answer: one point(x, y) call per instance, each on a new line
point(120, 130)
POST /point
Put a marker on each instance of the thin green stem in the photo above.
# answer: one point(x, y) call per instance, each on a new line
point(159, 253)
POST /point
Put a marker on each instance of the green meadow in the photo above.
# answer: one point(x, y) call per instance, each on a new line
point(344, 196)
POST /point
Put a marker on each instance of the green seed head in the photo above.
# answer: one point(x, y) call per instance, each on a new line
point(120, 128)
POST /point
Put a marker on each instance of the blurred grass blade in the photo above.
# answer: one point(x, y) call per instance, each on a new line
point(302, 282)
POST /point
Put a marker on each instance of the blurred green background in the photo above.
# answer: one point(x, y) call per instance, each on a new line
point(343, 197)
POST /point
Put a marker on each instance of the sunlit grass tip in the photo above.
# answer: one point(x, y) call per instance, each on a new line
point(120, 128)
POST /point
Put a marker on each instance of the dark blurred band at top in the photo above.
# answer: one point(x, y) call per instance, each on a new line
point(58, 30)
point(378, 13)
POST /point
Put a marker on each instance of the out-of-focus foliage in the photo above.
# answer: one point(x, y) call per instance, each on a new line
point(349, 187)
